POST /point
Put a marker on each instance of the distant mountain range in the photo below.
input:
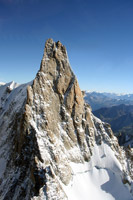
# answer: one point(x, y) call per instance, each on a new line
point(121, 120)
point(52, 146)
point(99, 100)
point(115, 109)
point(1, 83)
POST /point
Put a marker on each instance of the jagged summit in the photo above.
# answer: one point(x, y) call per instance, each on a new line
point(52, 146)
point(55, 50)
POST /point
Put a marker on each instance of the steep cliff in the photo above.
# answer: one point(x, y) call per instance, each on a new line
point(52, 146)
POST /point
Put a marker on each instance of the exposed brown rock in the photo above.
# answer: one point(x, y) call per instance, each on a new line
point(53, 128)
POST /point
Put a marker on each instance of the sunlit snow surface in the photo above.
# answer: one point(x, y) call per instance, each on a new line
point(100, 179)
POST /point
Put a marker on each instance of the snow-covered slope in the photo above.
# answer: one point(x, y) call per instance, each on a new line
point(99, 179)
point(12, 100)
point(52, 146)
point(2, 83)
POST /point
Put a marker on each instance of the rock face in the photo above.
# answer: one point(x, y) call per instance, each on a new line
point(47, 129)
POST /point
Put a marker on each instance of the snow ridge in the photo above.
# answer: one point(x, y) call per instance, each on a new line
point(52, 146)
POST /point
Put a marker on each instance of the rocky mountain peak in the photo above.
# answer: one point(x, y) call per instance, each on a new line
point(53, 138)
point(54, 50)
point(57, 70)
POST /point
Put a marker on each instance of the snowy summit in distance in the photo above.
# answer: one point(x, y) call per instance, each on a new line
point(110, 94)
point(99, 100)
point(52, 146)
point(1, 83)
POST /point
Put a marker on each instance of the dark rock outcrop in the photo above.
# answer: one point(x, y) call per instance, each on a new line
point(46, 126)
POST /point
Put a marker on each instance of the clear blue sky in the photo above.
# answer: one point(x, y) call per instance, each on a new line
point(98, 35)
